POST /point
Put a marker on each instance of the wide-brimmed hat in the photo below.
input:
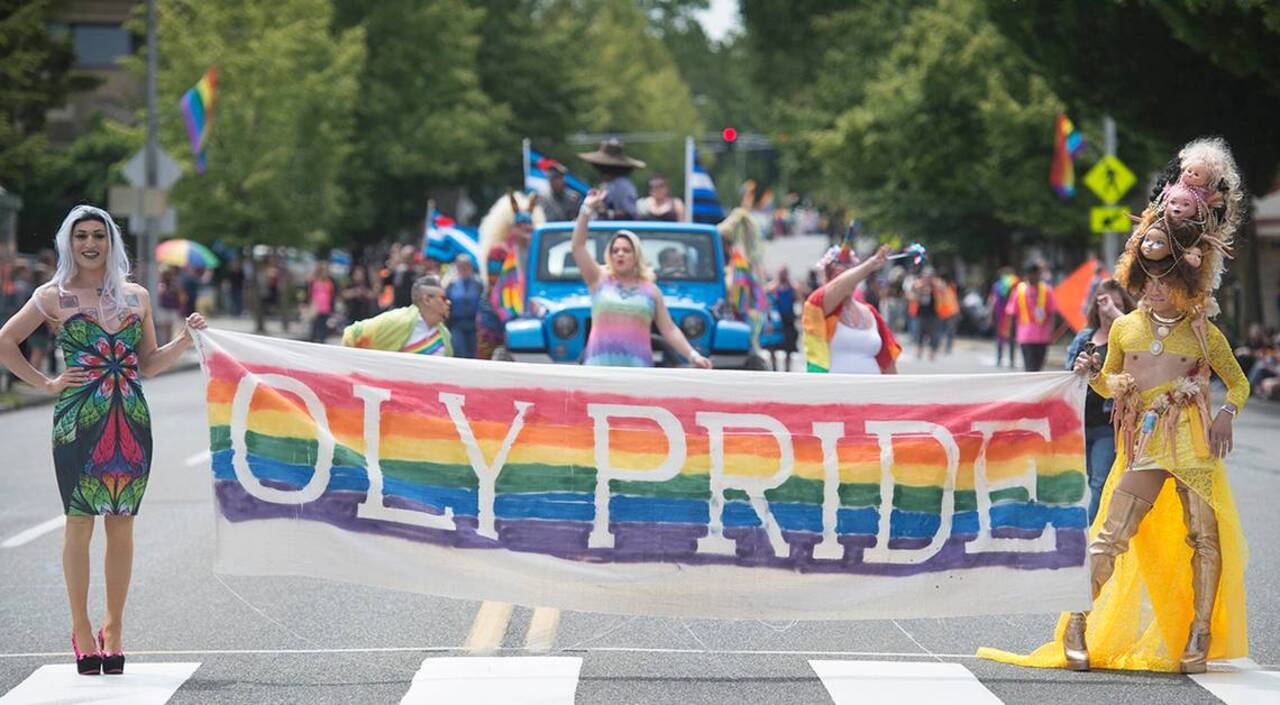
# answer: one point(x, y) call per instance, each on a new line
point(611, 154)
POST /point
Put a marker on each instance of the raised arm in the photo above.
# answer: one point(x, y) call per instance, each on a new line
point(838, 290)
point(591, 271)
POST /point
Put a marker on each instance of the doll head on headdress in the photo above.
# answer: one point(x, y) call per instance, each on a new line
point(1195, 208)
point(1203, 182)
point(1173, 252)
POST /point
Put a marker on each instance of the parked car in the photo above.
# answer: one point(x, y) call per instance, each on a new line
point(688, 259)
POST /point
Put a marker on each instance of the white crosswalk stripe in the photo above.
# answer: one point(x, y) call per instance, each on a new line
point(517, 680)
point(1249, 685)
point(897, 682)
point(140, 684)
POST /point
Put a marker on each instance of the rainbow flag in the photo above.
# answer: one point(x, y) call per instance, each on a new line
point(648, 491)
point(197, 110)
point(1067, 143)
point(746, 295)
point(507, 293)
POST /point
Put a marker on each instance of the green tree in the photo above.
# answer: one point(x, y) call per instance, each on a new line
point(282, 120)
point(631, 83)
point(35, 77)
point(77, 173)
point(1175, 70)
point(423, 118)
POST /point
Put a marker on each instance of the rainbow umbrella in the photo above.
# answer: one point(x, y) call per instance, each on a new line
point(185, 253)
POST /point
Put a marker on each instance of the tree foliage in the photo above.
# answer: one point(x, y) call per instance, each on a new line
point(422, 118)
point(282, 122)
point(1175, 70)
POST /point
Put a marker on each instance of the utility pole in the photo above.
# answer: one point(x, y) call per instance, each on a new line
point(1110, 240)
point(147, 255)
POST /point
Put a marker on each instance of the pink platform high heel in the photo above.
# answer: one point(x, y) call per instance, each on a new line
point(112, 664)
point(89, 664)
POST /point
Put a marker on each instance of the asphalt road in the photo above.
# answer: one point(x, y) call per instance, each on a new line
point(288, 640)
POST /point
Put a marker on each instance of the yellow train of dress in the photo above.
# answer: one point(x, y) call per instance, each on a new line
point(1141, 618)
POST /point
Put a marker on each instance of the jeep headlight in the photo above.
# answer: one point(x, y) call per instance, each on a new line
point(693, 326)
point(564, 325)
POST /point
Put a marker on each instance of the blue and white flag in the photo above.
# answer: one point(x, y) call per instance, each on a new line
point(444, 239)
point(536, 168)
point(701, 190)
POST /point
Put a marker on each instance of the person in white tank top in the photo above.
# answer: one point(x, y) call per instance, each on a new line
point(842, 334)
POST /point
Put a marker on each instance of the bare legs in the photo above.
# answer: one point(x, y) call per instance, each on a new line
point(117, 567)
point(75, 570)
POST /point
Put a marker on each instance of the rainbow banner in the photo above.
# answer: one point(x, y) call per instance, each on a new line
point(649, 491)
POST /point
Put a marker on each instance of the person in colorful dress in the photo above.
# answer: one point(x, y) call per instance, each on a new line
point(625, 303)
point(418, 328)
point(842, 334)
point(1168, 554)
point(505, 232)
point(102, 427)
point(1033, 307)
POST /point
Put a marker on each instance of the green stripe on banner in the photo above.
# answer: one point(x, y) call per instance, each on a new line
point(1064, 488)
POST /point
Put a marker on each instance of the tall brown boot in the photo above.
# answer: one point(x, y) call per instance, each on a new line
point(1206, 569)
point(1124, 516)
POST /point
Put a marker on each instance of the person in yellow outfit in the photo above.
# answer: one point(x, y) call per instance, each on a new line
point(1167, 554)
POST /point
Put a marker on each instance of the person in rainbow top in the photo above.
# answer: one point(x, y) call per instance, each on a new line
point(418, 328)
point(625, 303)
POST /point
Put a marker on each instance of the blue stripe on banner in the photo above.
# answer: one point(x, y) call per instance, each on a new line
point(579, 506)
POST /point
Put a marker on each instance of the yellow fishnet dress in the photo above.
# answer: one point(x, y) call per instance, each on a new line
point(1141, 619)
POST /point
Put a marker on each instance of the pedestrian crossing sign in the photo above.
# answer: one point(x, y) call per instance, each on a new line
point(1109, 219)
point(1110, 179)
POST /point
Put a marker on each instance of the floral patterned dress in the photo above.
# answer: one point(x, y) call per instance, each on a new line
point(102, 429)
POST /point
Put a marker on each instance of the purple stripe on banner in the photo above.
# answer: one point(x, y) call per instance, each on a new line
point(642, 542)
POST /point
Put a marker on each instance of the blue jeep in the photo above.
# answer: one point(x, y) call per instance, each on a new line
point(689, 262)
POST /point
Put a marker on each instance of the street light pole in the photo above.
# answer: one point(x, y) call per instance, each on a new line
point(1110, 239)
point(147, 245)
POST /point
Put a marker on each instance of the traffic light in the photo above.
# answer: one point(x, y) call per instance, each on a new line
point(729, 135)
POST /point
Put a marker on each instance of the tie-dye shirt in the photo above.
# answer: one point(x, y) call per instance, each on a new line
point(621, 317)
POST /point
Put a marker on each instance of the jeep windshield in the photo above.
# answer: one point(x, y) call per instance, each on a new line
point(672, 255)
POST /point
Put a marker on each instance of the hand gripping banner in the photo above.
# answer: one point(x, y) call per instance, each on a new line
point(649, 491)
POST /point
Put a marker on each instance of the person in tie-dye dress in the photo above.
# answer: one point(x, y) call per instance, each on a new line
point(101, 424)
point(625, 302)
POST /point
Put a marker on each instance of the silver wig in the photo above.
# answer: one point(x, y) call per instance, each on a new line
point(111, 300)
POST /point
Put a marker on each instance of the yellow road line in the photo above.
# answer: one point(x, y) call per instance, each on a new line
point(489, 627)
point(542, 630)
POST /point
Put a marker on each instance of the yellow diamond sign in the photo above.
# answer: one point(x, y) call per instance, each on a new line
point(1110, 179)
point(1109, 219)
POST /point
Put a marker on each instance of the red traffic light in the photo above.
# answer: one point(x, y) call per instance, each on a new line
point(729, 134)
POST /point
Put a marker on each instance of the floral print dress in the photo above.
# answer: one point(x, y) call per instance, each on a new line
point(102, 429)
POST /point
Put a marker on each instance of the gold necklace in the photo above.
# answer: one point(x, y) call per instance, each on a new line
point(1160, 329)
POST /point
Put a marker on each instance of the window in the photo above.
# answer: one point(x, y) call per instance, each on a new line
point(673, 256)
point(100, 44)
